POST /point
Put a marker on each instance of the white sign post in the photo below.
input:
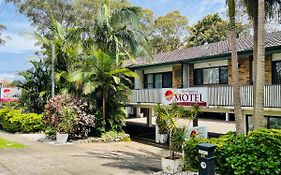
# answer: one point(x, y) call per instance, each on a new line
point(186, 96)
point(199, 132)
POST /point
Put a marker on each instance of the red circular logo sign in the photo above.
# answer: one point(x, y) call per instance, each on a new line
point(169, 94)
point(7, 91)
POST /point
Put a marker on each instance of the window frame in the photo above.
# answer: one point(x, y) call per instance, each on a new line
point(273, 66)
point(202, 78)
point(154, 80)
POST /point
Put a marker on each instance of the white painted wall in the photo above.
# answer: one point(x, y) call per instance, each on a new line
point(276, 57)
point(158, 69)
point(211, 64)
point(139, 81)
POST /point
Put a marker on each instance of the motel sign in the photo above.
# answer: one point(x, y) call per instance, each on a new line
point(186, 96)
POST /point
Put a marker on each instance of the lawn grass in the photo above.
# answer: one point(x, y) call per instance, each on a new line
point(7, 144)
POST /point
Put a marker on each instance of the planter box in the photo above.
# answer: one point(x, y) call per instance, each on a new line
point(61, 138)
point(172, 166)
point(163, 138)
point(160, 138)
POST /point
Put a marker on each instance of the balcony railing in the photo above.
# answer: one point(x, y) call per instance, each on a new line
point(217, 96)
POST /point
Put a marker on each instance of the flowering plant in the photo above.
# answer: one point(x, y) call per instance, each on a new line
point(67, 114)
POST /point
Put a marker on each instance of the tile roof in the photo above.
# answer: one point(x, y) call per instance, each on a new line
point(206, 50)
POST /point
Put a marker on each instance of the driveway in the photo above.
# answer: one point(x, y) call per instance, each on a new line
point(80, 158)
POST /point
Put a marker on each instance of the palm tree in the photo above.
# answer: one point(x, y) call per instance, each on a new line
point(62, 47)
point(102, 77)
point(259, 121)
point(271, 9)
point(118, 32)
point(239, 122)
point(35, 86)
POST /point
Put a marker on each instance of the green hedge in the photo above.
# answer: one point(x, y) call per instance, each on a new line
point(14, 120)
point(258, 153)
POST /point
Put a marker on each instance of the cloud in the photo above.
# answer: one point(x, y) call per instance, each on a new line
point(8, 76)
point(18, 43)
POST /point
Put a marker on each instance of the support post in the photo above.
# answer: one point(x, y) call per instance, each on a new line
point(138, 112)
point(227, 117)
point(149, 117)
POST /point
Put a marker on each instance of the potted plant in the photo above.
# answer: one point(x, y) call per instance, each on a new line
point(161, 130)
point(173, 163)
point(65, 126)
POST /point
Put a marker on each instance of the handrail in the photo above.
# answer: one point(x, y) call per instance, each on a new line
point(217, 95)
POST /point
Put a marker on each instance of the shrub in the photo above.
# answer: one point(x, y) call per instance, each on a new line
point(14, 120)
point(110, 136)
point(64, 113)
point(191, 153)
point(258, 153)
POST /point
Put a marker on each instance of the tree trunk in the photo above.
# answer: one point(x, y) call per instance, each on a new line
point(255, 53)
point(103, 105)
point(259, 94)
point(239, 122)
point(195, 122)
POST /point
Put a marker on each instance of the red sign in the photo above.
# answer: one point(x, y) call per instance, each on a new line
point(10, 94)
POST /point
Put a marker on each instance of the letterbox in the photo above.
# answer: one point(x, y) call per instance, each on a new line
point(206, 159)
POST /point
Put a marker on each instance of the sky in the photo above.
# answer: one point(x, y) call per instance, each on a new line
point(19, 48)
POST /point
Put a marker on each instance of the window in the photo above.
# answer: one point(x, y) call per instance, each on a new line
point(148, 81)
point(274, 122)
point(198, 76)
point(167, 80)
point(158, 80)
point(276, 72)
point(223, 75)
point(217, 75)
point(211, 76)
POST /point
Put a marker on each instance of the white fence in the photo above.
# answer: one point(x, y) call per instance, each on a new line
point(217, 96)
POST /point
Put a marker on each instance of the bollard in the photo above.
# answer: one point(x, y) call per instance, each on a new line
point(206, 158)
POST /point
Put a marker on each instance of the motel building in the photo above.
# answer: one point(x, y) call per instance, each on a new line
point(202, 75)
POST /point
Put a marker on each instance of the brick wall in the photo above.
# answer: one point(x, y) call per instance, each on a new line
point(191, 74)
point(268, 69)
point(177, 76)
point(244, 70)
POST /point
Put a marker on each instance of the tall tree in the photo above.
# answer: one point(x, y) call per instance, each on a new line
point(235, 72)
point(260, 79)
point(147, 24)
point(272, 10)
point(212, 28)
point(67, 48)
point(36, 86)
point(87, 11)
point(40, 12)
point(118, 32)
point(169, 33)
point(102, 77)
